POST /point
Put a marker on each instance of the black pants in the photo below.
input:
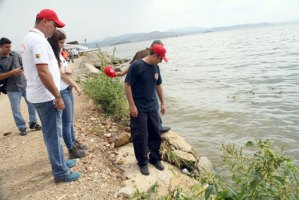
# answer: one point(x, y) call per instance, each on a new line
point(145, 131)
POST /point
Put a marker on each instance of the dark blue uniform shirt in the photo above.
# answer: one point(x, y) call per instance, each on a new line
point(143, 79)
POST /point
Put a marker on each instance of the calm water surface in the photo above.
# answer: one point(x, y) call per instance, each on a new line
point(231, 87)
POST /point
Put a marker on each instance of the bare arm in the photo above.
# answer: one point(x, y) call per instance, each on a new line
point(159, 90)
point(18, 72)
point(122, 73)
point(46, 78)
point(66, 78)
point(68, 70)
point(132, 106)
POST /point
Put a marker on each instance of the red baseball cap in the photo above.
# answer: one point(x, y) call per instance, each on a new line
point(160, 50)
point(110, 71)
point(50, 15)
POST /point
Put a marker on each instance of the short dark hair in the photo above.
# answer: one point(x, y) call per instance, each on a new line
point(4, 41)
point(157, 42)
point(37, 21)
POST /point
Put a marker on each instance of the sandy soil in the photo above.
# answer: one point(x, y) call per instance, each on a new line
point(25, 169)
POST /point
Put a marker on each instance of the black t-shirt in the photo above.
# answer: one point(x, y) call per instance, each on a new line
point(143, 79)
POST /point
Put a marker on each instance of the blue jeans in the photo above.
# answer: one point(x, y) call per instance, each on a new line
point(15, 101)
point(51, 127)
point(68, 118)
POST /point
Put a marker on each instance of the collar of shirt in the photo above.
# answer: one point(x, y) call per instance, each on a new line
point(35, 30)
point(10, 54)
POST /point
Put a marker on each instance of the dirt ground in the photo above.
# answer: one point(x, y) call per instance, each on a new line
point(25, 169)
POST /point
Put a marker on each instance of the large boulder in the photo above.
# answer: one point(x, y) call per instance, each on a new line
point(204, 164)
point(188, 157)
point(90, 69)
point(177, 141)
point(181, 181)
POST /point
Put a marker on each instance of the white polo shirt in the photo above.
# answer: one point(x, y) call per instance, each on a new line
point(37, 50)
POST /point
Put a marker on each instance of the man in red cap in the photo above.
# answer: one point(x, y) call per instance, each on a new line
point(139, 55)
point(141, 84)
point(43, 84)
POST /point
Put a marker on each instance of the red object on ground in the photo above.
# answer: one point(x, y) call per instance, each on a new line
point(110, 71)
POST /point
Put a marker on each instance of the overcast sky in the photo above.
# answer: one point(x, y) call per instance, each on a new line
point(98, 19)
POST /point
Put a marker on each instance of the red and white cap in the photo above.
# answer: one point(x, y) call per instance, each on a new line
point(50, 15)
point(159, 50)
point(110, 71)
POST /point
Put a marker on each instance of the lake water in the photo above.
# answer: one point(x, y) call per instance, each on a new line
point(231, 87)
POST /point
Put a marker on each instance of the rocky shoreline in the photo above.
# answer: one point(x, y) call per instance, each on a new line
point(180, 160)
point(109, 171)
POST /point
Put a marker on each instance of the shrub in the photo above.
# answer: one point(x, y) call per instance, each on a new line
point(108, 93)
point(265, 174)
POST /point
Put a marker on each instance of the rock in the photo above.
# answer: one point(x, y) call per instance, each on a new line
point(126, 192)
point(185, 171)
point(183, 182)
point(91, 69)
point(128, 129)
point(125, 154)
point(7, 133)
point(185, 156)
point(107, 135)
point(205, 164)
point(123, 139)
point(120, 162)
point(177, 141)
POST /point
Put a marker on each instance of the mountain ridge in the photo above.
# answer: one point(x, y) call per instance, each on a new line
point(138, 37)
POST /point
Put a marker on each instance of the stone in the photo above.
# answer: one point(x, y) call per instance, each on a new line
point(205, 164)
point(91, 69)
point(126, 192)
point(93, 118)
point(7, 133)
point(183, 182)
point(107, 135)
point(185, 156)
point(177, 141)
point(123, 139)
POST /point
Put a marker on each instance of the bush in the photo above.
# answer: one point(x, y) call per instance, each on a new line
point(265, 174)
point(108, 93)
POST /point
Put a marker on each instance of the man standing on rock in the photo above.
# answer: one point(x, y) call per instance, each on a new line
point(141, 84)
point(139, 55)
point(11, 70)
point(43, 83)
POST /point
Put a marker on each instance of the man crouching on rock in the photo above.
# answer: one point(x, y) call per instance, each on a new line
point(141, 83)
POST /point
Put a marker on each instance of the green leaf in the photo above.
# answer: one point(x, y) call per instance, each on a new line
point(249, 144)
point(209, 191)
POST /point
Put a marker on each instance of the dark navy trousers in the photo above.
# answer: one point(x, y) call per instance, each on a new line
point(145, 131)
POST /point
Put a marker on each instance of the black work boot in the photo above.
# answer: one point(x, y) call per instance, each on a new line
point(158, 165)
point(165, 129)
point(144, 170)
